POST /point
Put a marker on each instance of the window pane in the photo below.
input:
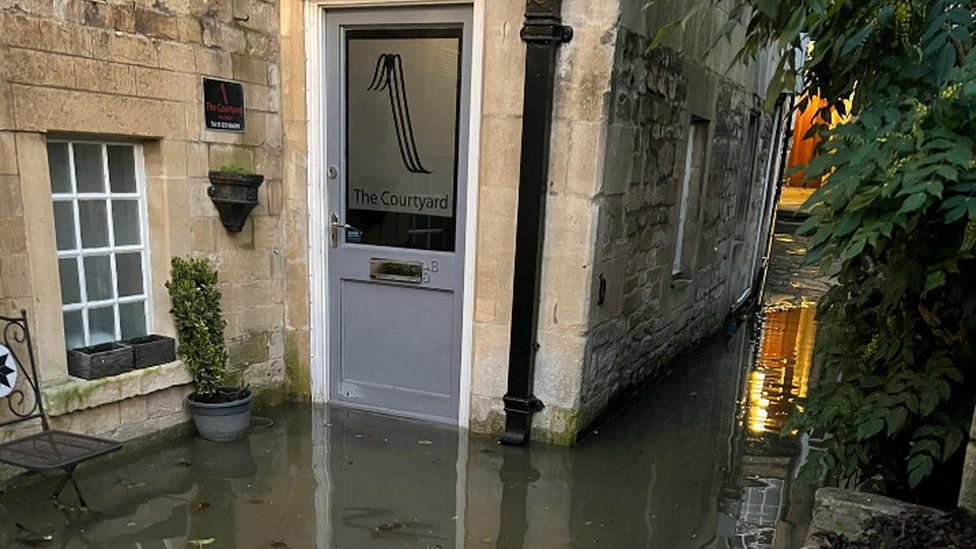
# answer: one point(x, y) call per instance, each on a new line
point(132, 317)
point(94, 223)
point(101, 325)
point(64, 225)
point(126, 214)
point(57, 161)
point(129, 271)
point(70, 287)
point(88, 168)
point(98, 277)
point(121, 169)
point(74, 330)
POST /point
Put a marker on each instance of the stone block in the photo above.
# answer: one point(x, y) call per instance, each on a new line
point(190, 29)
point(37, 68)
point(261, 45)
point(165, 403)
point(967, 492)
point(588, 148)
point(220, 35)
point(8, 155)
point(45, 109)
point(222, 10)
point(230, 155)
point(197, 160)
point(168, 85)
point(210, 62)
point(256, 15)
point(13, 239)
point(565, 305)
point(559, 369)
point(267, 234)
point(128, 48)
point(204, 235)
point(104, 76)
point(571, 228)
point(848, 511)
point(176, 57)
point(258, 98)
point(619, 166)
point(252, 70)
point(15, 269)
point(504, 60)
point(156, 24)
point(10, 203)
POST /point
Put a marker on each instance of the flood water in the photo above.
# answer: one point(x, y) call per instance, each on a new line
point(696, 462)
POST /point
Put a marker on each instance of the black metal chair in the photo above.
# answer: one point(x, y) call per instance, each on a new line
point(48, 450)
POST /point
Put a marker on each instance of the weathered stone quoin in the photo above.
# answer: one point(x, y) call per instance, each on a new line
point(613, 315)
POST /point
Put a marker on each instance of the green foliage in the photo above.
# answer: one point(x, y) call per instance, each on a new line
point(236, 170)
point(199, 322)
point(896, 219)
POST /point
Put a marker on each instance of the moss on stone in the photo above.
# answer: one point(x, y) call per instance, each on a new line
point(249, 349)
point(563, 426)
point(77, 396)
point(298, 377)
point(267, 397)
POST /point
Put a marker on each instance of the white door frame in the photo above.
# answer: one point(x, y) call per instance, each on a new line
point(318, 208)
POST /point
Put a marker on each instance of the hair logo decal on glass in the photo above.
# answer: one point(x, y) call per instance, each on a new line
point(389, 76)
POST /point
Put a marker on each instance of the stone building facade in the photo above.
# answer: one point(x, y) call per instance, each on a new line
point(615, 313)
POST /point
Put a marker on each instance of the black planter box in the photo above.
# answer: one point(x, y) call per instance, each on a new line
point(98, 361)
point(151, 350)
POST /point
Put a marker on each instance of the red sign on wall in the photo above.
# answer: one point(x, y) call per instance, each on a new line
point(223, 105)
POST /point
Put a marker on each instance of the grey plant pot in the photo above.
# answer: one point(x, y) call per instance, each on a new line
point(222, 422)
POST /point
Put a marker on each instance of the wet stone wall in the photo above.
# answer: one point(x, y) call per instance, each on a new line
point(646, 320)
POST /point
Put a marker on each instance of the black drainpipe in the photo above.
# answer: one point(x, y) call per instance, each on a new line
point(543, 33)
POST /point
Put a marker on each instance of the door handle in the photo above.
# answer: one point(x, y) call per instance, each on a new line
point(336, 226)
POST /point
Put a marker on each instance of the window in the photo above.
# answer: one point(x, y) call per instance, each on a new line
point(689, 211)
point(100, 229)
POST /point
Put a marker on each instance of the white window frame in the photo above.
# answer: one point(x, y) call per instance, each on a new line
point(79, 253)
point(683, 205)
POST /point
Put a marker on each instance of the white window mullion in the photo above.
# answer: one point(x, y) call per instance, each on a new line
point(80, 261)
point(110, 219)
point(142, 192)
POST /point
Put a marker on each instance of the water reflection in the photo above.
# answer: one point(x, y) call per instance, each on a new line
point(679, 468)
point(779, 375)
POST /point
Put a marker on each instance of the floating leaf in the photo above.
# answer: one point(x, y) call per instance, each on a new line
point(39, 541)
point(199, 506)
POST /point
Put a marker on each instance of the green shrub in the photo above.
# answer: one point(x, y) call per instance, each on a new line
point(199, 323)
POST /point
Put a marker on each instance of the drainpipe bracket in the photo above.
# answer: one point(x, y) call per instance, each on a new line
point(546, 30)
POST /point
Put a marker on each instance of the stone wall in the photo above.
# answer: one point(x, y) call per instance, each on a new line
point(132, 70)
point(583, 80)
point(646, 318)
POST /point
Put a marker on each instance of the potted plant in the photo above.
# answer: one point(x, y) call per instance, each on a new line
point(234, 192)
point(220, 413)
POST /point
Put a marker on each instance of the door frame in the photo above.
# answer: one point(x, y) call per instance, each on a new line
point(318, 206)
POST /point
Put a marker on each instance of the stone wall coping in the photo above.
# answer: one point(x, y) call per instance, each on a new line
point(848, 511)
point(71, 394)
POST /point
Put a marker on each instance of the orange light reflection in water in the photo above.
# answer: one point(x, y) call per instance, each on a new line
point(782, 371)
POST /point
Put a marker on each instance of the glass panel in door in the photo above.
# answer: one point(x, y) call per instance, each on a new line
point(402, 114)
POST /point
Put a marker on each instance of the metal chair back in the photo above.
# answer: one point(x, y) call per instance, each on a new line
point(23, 402)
